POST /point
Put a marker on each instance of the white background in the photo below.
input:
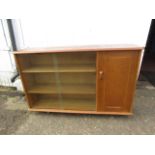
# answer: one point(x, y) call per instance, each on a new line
point(69, 27)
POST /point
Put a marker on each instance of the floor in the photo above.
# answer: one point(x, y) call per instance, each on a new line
point(15, 119)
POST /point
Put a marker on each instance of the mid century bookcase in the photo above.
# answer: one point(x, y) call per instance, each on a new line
point(86, 80)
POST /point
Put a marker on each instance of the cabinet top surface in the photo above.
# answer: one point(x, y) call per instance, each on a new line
point(94, 48)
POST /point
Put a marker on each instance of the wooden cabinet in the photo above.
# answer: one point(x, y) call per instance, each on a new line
point(88, 80)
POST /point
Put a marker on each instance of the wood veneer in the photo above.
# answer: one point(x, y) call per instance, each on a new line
point(85, 80)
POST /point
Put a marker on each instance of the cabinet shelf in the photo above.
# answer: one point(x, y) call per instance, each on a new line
point(65, 104)
point(62, 69)
point(63, 89)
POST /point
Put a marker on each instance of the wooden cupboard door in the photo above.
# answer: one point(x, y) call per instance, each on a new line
point(116, 80)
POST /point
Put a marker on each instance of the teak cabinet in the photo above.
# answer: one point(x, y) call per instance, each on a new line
point(88, 80)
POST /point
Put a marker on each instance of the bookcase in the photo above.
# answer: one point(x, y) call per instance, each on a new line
point(86, 80)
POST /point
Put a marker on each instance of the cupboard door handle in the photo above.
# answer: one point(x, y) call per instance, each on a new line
point(100, 75)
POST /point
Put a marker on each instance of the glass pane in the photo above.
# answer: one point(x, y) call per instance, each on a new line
point(65, 81)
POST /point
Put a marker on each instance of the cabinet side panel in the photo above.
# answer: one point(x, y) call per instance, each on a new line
point(25, 86)
point(134, 73)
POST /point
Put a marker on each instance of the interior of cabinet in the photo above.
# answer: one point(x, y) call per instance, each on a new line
point(65, 102)
point(60, 80)
point(58, 62)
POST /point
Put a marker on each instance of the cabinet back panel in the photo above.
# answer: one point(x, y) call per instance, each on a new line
point(64, 102)
point(63, 78)
point(57, 59)
point(57, 96)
